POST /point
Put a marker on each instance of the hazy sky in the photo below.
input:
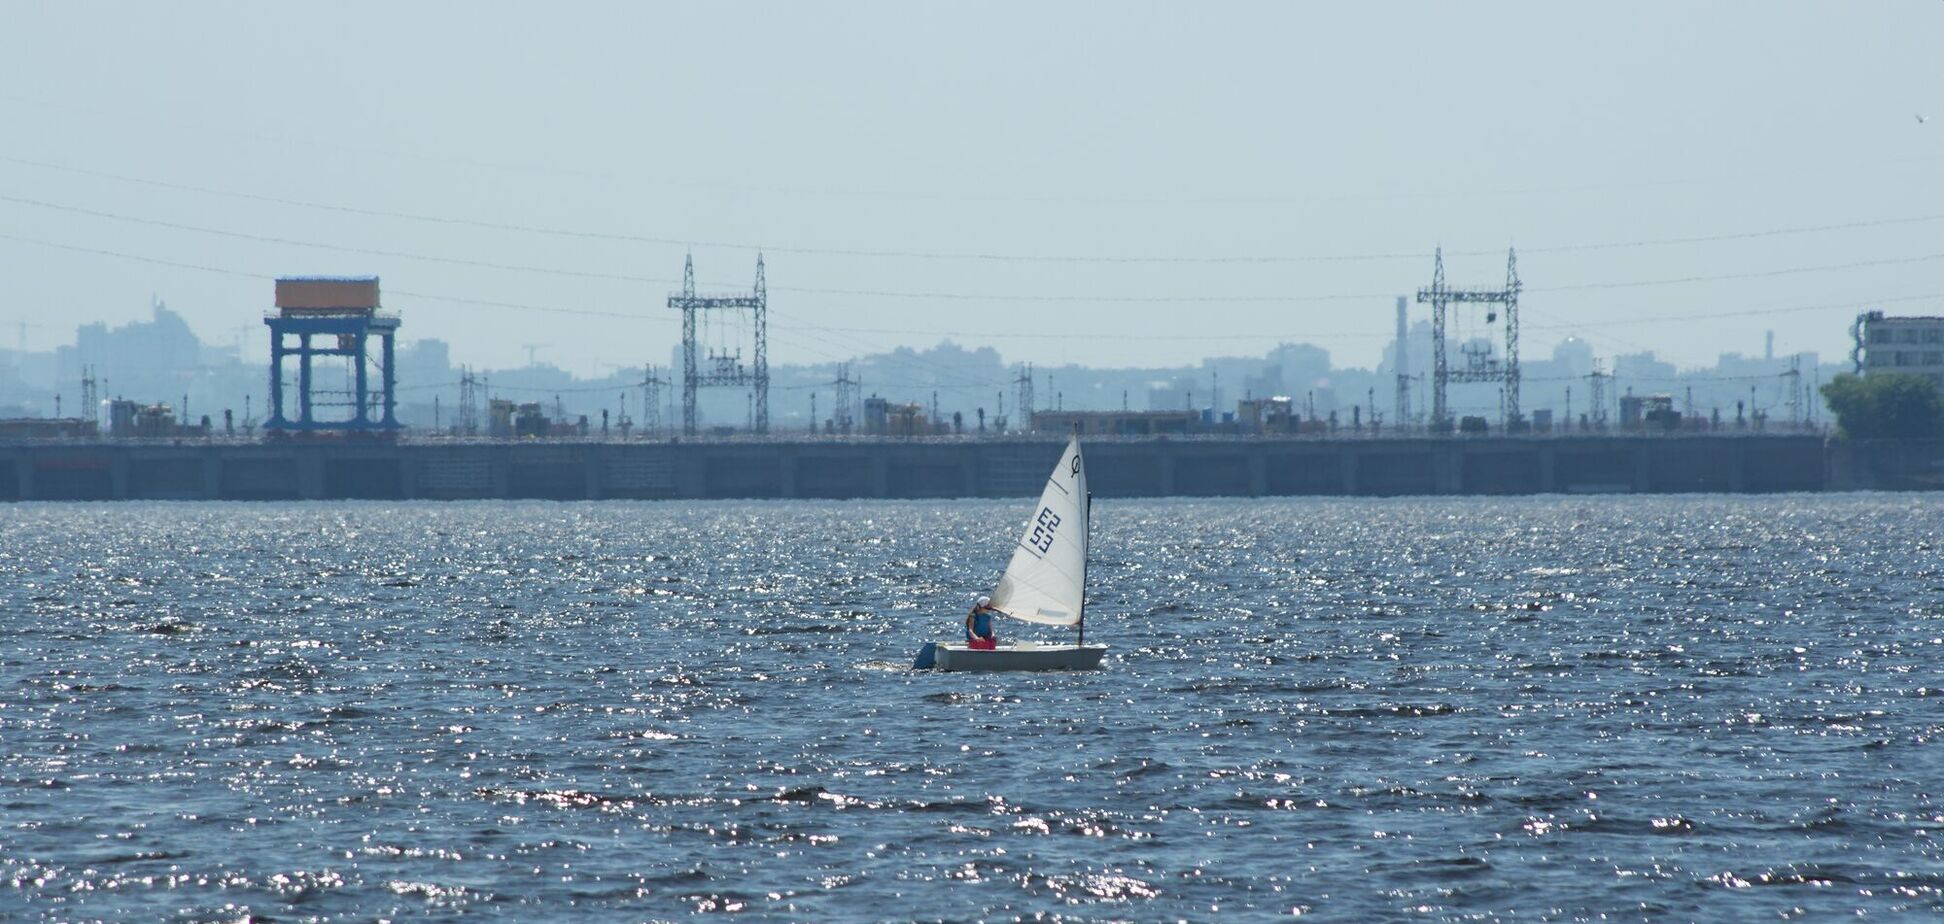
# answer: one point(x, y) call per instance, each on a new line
point(1100, 183)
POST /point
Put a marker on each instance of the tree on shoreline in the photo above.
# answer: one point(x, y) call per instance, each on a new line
point(1893, 406)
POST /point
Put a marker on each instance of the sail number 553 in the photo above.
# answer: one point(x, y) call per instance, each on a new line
point(1043, 527)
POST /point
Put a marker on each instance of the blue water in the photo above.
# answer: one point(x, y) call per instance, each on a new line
point(1649, 709)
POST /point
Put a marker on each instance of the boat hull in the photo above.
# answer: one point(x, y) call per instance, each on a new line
point(1022, 656)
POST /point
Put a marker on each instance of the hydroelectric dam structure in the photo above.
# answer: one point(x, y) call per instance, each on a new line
point(214, 469)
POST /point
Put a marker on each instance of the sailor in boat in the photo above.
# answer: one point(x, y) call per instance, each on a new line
point(979, 632)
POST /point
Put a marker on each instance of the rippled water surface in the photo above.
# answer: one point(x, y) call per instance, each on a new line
point(1648, 708)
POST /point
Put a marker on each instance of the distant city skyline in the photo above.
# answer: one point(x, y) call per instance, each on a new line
point(1135, 188)
point(161, 360)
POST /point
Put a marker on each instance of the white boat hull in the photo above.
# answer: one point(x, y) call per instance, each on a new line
point(1020, 656)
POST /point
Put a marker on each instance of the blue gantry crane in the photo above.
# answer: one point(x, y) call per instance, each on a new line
point(332, 316)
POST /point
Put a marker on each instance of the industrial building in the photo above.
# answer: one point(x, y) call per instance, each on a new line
point(1115, 423)
point(1905, 345)
point(48, 428)
point(132, 419)
point(1640, 411)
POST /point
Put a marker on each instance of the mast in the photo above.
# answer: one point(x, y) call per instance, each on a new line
point(1082, 624)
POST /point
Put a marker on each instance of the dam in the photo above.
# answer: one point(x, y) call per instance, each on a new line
point(135, 469)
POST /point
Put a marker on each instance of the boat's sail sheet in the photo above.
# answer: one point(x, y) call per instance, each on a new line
point(1045, 580)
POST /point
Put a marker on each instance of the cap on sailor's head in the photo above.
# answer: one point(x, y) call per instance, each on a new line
point(984, 600)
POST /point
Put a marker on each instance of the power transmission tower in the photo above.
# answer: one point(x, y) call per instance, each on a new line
point(1025, 402)
point(1598, 381)
point(762, 348)
point(1403, 366)
point(1794, 375)
point(468, 402)
point(848, 388)
point(725, 369)
point(90, 402)
point(1479, 367)
point(651, 389)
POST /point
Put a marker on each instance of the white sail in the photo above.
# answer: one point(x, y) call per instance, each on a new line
point(1045, 579)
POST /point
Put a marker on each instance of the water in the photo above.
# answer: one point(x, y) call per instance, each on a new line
point(1647, 708)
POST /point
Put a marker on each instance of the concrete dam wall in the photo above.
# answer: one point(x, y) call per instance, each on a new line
point(869, 468)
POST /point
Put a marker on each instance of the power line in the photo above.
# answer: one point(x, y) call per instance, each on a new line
point(1746, 312)
point(614, 382)
point(521, 306)
point(1759, 274)
point(953, 296)
point(887, 356)
point(1041, 334)
point(129, 256)
point(1851, 305)
point(622, 277)
point(226, 271)
point(368, 251)
point(805, 328)
point(1739, 235)
point(518, 306)
point(972, 256)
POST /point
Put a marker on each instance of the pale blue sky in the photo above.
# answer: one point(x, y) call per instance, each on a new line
point(850, 140)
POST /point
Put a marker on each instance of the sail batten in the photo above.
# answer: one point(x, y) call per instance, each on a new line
point(1044, 581)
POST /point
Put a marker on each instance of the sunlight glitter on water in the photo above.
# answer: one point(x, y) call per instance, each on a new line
point(1652, 708)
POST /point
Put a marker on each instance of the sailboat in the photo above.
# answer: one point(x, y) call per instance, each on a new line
point(1046, 583)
